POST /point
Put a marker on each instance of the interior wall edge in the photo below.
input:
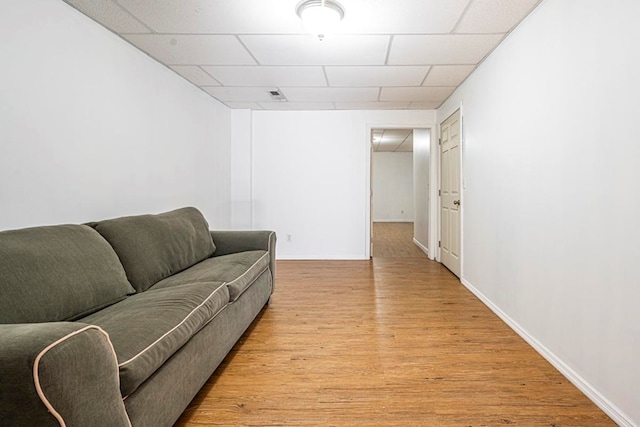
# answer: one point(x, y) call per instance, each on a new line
point(421, 246)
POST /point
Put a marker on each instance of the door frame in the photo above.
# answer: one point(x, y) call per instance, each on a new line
point(432, 127)
point(441, 119)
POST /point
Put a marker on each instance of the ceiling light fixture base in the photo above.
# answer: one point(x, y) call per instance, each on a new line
point(320, 17)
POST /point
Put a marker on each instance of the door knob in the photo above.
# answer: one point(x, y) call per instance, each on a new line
point(456, 202)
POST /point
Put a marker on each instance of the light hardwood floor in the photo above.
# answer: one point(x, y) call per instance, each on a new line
point(386, 342)
point(395, 239)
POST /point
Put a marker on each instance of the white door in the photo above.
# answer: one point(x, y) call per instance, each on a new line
point(450, 193)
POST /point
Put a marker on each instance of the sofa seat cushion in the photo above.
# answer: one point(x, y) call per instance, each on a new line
point(57, 273)
point(147, 328)
point(152, 247)
point(238, 270)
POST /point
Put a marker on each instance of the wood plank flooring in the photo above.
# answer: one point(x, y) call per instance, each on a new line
point(395, 239)
point(386, 342)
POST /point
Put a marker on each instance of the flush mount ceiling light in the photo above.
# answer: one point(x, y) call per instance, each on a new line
point(320, 17)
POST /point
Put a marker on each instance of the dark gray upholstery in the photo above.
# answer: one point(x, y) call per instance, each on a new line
point(76, 370)
point(161, 399)
point(237, 270)
point(147, 328)
point(152, 247)
point(129, 358)
point(233, 241)
point(58, 273)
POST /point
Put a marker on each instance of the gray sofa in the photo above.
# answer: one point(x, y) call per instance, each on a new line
point(122, 321)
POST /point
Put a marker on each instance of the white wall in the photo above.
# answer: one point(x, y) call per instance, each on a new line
point(392, 187)
point(241, 191)
point(92, 128)
point(551, 202)
point(421, 186)
point(311, 178)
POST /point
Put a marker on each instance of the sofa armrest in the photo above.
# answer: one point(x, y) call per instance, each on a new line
point(232, 241)
point(59, 373)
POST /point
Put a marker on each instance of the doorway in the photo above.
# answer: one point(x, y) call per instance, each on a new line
point(393, 201)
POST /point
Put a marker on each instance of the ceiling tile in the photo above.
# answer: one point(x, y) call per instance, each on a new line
point(195, 75)
point(216, 17)
point(267, 75)
point(385, 148)
point(448, 75)
point(403, 143)
point(249, 94)
point(396, 133)
point(401, 16)
point(406, 147)
point(192, 49)
point(308, 50)
point(383, 75)
point(494, 16)
point(441, 49)
point(398, 105)
point(392, 141)
point(330, 94)
point(415, 93)
point(297, 105)
point(110, 14)
point(243, 105)
point(425, 105)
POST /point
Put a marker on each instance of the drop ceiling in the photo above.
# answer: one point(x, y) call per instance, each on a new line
point(386, 54)
point(392, 140)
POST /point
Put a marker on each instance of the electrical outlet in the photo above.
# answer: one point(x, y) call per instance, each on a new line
point(289, 238)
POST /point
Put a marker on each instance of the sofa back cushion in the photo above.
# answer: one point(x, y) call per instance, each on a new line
point(57, 273)
point(152, 247)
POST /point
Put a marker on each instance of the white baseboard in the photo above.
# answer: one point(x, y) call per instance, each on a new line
point(393, 220)
point(421, 246)
point(603, 403)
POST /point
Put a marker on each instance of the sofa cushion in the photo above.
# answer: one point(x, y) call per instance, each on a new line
point(57, 273)
point(152, 247)
point(238, 270)
point(147, 328)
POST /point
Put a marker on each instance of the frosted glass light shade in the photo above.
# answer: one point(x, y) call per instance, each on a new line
point(320, 17)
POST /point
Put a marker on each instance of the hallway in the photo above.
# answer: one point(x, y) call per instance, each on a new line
point(395, 240)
